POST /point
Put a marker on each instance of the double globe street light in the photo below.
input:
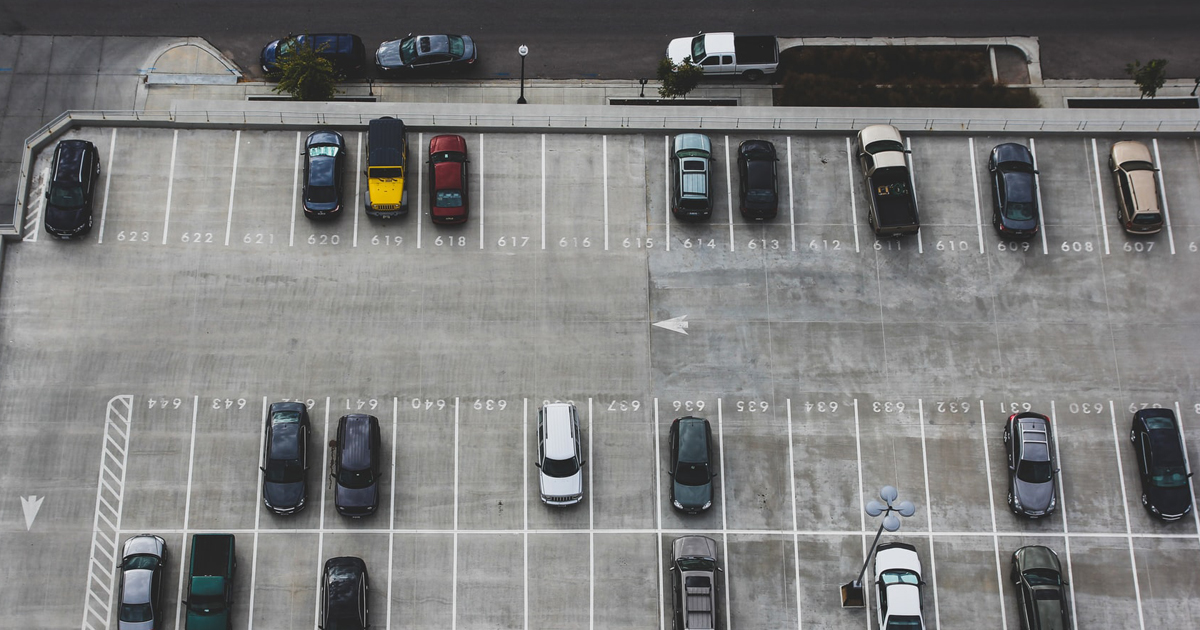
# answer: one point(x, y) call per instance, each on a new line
point(852, 592)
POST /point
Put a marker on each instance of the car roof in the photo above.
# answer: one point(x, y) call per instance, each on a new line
point(285, 440)
point(448, 175)
point(693, 440)
point(559, 443)
point(760, 174)
point(356, 441)
point(137, 586)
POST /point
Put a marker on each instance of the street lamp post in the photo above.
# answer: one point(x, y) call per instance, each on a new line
point(523, 50)
point(852, 592)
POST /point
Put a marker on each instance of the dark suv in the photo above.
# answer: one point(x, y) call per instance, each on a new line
point(691, 465)
point(1162, 465)
point(344, 591)
point(356, 465)
point(1041, 600)
point(74, 172)
point(759, 188)
point(1031, 464)
point(285, 464)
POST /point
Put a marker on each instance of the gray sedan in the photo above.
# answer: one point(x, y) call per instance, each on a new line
point(142, 564)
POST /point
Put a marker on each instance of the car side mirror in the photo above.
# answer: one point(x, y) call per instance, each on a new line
point(262, 469)
point(720, 569)
point(537, 464)
point(1056, 470)
point(713, 476)
point(1189, 475)
point(671, 473)
point(583, 463)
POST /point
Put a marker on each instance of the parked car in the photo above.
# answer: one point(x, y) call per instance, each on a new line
point(694, 583)
point(344, 594)
point(356, 465)
point(74, 172)
point(1137, 187)
point(324, 163)
point(285, 462)
point(1041, 600)
point(691, 465)
point(1162, 464)
point(898, 587)
point(559, 457)
point(346, 52)
point(426, 52)
point(143, 561)
point(1014, 191)
point(691, 177)
point(448, 190)
point(759, 186)
point(1032, 464)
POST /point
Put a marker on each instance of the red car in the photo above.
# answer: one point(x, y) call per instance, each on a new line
point(448, 199)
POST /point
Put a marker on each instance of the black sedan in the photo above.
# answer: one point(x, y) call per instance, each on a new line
point(143, 561)
point(74, 172)
point(426, 52)
point(1014, 191)
point(759, 190)
point(1041, 598)
point(344, 593)
point(1162, 464)
point(346, 52)
point(285, 466)
point(691, 465)
point(324, 162)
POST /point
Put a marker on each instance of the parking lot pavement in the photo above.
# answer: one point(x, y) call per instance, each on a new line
point(828, 363)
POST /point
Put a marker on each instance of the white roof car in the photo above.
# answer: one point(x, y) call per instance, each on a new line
point(559, 456)
point(898, 587)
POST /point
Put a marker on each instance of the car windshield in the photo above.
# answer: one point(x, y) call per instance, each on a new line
point(140, 562)
point(1021, 210)
point(325, 149)
point(899, 576)
point(692, 474)
point(136, 613)
point(1152, 218)
point(901, 623)
point(1042, 577)
point(66, 195)
point(449, 199)
point(559, 467)
point(408, 50)
point(697, 564)
point(1034, 472)
point(1137, 165)
point(1169, 477)
point(697, 47)
point(447, 156)
point(386, 172)
point(457, 45)
point(284, 471)
point(355, 479)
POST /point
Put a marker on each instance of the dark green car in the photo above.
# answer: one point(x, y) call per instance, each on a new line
point(691, 465)
point(1041, 596)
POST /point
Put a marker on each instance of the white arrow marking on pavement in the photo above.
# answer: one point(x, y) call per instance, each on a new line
point(676, 324)
point(30, 506)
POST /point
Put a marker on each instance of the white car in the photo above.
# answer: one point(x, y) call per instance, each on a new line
point(898, 587)
point(558, 455)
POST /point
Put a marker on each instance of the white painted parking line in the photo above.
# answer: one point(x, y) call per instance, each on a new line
point(187, 501)
point(791, 196)
point(591, 506)
point(358, 173)
point(987, 467)
point(724, 496)
point(1137, 589)
point(1062, 511)
point(262, 441)
point(112, 147)
point(480, 201)
point(237, 145)
point(667, 187)
point(454, 559)
point(853, 202)
point(543, 203)
point(392, 515)
point(1037, 180)
point(975, 189)
point(929, 515)
point(321, 533)
point(1099, 193)
point(106, 523)
point(1162, 187)
point(604, 161)
point(912, 175)
point(420, 188)
point(792, 486)
point(296, 189)
point(862, 499)
point(662, 614)
point(170, 190)
point(729, 195)
point(1187, 467)
point(525, 425)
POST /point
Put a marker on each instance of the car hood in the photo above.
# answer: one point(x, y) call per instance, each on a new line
point(693, 496)
point(66, 218)
point(388, 53)
point(270, 54)
point(1034, 497)
point(562, 486)
point(1169, 501)
point(678, 49)
point(356, 498)
point(284, 495)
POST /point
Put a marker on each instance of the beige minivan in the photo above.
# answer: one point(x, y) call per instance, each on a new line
point(1135, 177)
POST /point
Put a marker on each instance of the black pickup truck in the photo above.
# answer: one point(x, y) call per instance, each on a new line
point(881, 155)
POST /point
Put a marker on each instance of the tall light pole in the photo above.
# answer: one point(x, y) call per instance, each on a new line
point(523, 50)
point(852, 592)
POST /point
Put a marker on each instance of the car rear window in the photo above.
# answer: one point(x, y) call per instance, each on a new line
point(449, 199)
point(1148, 218)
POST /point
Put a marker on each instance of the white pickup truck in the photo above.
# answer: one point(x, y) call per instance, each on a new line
point(750, 56)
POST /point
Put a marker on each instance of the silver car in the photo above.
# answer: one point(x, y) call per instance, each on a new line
point(558, 455)
point(143, 559)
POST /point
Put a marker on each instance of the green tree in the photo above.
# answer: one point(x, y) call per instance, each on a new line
point(678, 80)
point(1149, 77)
point(304, 74)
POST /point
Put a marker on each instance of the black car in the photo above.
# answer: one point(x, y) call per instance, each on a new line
point(74, 172)
point(143, 562)
point(1162, 464)
point(759, 190)
point(426, 52)
point(285, 464)
point(356, 466)
point(1032, 464)
point(1014, 191)
point(346, 52)
point(344, 592)
point(1041, 599)
point(691, 465)
point(324, 161)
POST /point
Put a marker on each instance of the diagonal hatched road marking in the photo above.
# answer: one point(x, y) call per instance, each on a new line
point(106, 527)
